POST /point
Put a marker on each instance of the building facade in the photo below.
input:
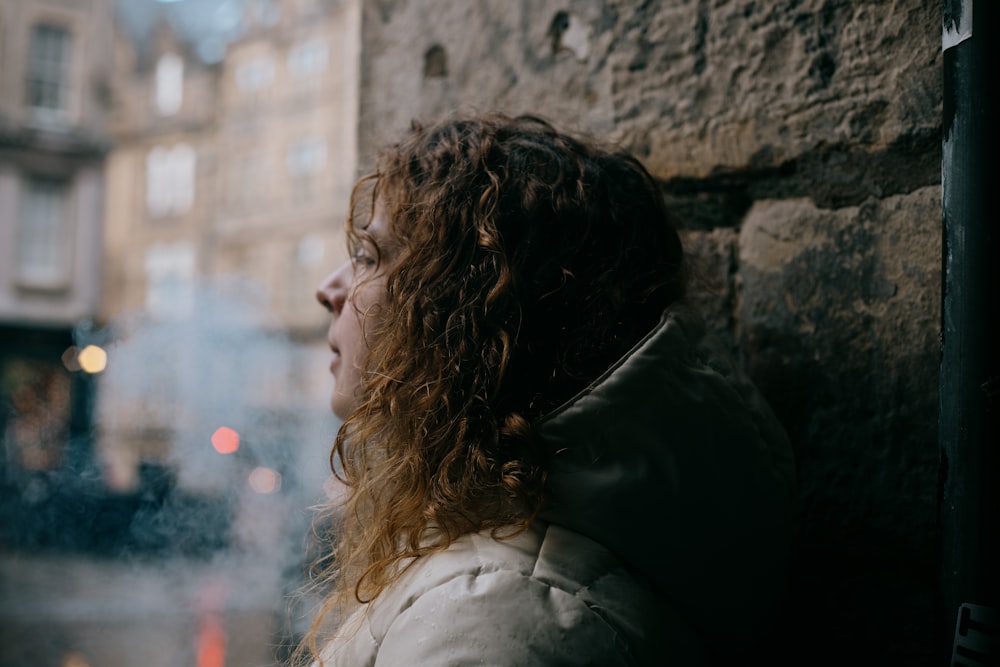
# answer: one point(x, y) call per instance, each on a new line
point(55, 82)
point(287, 152)
point(229, 179)
point(176, 206)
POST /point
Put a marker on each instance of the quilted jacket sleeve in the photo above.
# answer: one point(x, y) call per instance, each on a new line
point(500, 619)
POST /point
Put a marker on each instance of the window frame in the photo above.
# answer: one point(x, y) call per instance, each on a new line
point(55, 72)
point(32, 241)
point(168, 84)
point(171, 180)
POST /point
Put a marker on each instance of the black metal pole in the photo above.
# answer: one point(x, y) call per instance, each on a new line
point(970, 345)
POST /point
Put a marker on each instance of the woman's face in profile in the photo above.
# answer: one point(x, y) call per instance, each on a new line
point(348, 294)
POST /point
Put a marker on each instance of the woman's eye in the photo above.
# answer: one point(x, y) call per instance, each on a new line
point(362, 259)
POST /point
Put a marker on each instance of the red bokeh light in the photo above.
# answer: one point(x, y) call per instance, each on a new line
point(211, 642)
point(225, 440)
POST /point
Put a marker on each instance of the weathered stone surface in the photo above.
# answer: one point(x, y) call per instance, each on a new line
point(853, 293)
point(695, 88)
point(838, 318)
point(711, 257)
point(798, 143)
point(510, 56)
point(729, 85)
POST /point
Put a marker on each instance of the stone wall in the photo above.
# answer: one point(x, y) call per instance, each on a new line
point(799, 143)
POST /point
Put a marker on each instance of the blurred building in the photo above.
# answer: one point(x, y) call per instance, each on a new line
point(287, 151)
point(55, 85)
point(159, 206)
point(139, 170)
point(227, 168)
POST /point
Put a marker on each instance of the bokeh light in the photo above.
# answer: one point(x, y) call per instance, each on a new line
point(69, 358)
point(264, 480)
point(92, 359)
point(75, 659)
point(211, 642)
point(225, 440)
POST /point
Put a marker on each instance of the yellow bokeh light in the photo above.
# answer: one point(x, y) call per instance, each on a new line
point(92, 359)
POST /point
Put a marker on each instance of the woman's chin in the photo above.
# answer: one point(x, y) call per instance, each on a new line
point(341, 405)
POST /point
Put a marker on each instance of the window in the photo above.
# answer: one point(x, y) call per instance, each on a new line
point(43, 240)
point(304, 160)
point(170, 274)
point(247, 185)
point(254, 75)
point(306, 156)
point(169, 84)
point(253, 78)
point(48, 72)
point(265, 12)
point(170, 180)
point(307, 58)
point(305, 265)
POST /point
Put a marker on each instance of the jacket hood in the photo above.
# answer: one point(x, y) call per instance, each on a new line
point(674, 462)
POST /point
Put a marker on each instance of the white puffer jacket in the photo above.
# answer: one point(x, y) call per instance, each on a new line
point(670, 515)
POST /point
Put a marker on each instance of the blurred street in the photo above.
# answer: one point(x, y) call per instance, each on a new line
point(77, 611)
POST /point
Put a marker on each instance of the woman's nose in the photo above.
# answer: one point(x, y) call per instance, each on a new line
point(332, 291)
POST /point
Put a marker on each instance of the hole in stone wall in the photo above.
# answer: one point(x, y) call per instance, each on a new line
point(435, 62)
point(559, 25)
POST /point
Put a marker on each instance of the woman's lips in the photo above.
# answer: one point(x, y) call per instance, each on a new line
point(335, 360)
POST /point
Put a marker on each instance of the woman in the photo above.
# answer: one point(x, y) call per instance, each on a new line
point(545, 461)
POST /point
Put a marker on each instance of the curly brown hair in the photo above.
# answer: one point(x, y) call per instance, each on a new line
point(526, 262)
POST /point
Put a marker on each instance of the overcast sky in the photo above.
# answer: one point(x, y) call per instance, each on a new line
point(205, 24)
